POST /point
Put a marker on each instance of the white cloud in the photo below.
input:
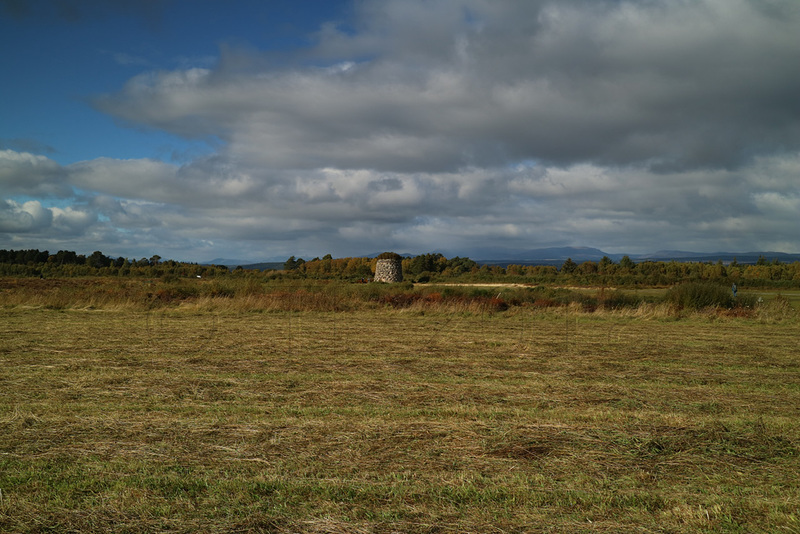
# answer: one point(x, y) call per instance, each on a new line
point(778, 203)
point(30, 216)
point(138, 179)
point(632, 125)
point(313, 211)
point(454, 84)
point(72, 221)
point(30, 174)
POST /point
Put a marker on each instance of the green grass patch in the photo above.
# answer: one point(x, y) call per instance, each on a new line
point(381, 418)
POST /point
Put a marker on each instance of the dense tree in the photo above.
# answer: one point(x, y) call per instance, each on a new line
point(569, 266)
point(98, 260)
point(626, 263)
point(587, 267)
point(605, 265)
point(66, 257)
point(290, 264)
point(424, 263)
point(23, 257)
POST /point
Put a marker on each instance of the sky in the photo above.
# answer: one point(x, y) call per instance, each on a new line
point(259, 130)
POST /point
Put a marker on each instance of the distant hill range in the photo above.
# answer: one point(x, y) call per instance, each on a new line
point(558, 255)
point(725, 257)
point(246, 264)
point(542, 256)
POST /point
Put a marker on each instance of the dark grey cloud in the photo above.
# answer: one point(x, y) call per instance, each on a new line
point(628, 125)
point(675, 85)
point(23, 218)
point(213, 204)
point(23, 173)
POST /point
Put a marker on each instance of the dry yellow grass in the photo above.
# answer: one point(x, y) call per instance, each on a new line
point(219, 416)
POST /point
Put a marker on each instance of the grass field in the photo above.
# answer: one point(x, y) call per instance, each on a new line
point(208, 419)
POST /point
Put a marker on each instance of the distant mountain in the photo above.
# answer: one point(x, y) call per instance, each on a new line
point(725, 257)
point(544, 256)
point(562, 253)
point(556, 256)
point(376, 254)
point(264, 266)
point(228, 262)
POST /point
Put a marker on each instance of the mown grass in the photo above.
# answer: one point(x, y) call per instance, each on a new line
point(213, 418)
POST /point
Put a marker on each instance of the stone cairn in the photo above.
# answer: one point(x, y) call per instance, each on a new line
point(389, 268)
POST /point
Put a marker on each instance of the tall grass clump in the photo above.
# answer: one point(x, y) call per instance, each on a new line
point(776, 310)
point(699, 295)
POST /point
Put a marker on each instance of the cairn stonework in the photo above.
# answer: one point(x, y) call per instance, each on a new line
point(389, 270)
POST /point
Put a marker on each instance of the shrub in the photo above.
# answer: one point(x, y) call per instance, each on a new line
point(221, 290)
point(614, 300)
point(400, 300)
point(697, 295)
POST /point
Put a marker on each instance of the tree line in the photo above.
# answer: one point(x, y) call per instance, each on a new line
point(67, 263)
point(423, 268)
point(627, 273)
point(605, 272)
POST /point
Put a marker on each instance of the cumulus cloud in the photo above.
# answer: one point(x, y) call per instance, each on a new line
point(629, 125)
point(23, 218)
point(33, 218)
point(445, 85)
point(183, 208)
point(143, 178)
point(71, 221)
point(30, 174)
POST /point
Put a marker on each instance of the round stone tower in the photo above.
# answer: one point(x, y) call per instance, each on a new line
point(389, 268)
